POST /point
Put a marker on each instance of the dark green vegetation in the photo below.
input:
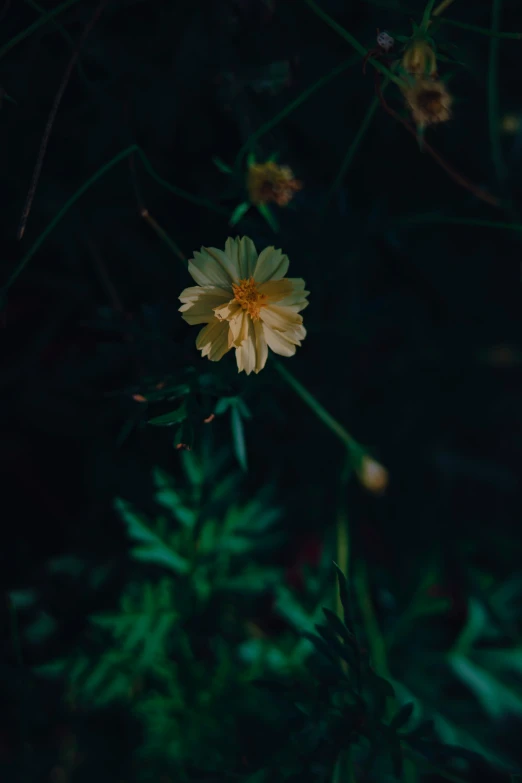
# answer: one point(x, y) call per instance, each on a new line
point(161, 605)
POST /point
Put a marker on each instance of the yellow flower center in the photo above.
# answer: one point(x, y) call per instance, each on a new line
point(247, 295)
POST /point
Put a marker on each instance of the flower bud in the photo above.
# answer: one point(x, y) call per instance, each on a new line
point(419, 59)
point(373, 476)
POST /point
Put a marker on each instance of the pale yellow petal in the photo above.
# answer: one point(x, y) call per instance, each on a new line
point(212, 341)
point(239, 327)
point(261, 346)
point(247, 257)
point(199, 303)
point(213, 267)
point(246, 352)
point(288, 292)
point(196, 291)
point(278, 342)
point(281, 318)
point(275, 290)
point(272, 264)
point(297, 298)
point(227, 311)
point(244, 255)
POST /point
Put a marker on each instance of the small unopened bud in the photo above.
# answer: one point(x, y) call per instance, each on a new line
point(419, 59)
point(373, 476)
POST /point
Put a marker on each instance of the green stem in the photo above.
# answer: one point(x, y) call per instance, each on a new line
point(85, 187)
point(162, 234)
point(352, 150)
point(371, 626)
point(354, 43)
point(426, 17)
point(493, 102)
point(267, 126)
point(480, 30)
point(344, 771)
point(63, 32)
point(35, 26)
point(354, 448)
point(459, 222)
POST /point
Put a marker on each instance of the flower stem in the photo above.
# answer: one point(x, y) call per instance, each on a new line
point(442, 7)
point(368, 117)
point(267, 126)
point(355, 450)
point(376, 643)
point(164, 236)
point(493, 102)
point(35, 26)
point(134, 148)
point(354, 43)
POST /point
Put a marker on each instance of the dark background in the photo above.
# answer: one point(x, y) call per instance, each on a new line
point(414, 320)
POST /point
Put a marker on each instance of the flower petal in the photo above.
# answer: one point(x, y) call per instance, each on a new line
point(278, 342)
point(199, 303)
point(246, 352)
point(228, 310)
point(212, 341)
point(272, 264)
point(244, 254)
point(213, 267)
point(261, 346)
point(275, 290)
point(281, 318)
point(239, 327)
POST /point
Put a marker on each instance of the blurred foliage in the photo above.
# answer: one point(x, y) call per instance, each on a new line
point(170, 610)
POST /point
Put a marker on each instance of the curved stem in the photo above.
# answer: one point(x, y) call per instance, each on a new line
point(355, 450)
point(267, 126)
point(493, 102)
point(354, 43)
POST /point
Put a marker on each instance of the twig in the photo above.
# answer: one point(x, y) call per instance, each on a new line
point(52, 117)
point(480, 193)
point(145, 214)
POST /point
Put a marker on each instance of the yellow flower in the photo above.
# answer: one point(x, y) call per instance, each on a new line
point(269, 182)
point(419, 59)
point(246, 302)
point(429, 101)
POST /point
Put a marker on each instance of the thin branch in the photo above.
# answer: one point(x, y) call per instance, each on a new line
point(477, 191)
point(52, 116)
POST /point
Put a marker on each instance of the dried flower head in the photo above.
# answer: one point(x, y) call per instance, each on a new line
point(246, 302)
point(429, 101)
point(419, 59)
point(268, 182)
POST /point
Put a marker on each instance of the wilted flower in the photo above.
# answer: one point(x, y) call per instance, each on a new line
point(268, 182)
point(419, 59)
point(246, 302)
point(429, 101)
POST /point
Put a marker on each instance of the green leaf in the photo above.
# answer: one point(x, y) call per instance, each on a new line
point(239, 213)
point(221, 166)
point(424, 729)
point(174, 417)
point(223, 405)
point(238, 436)
point(268, 215)
point(340, 628)
point(154, 549)
point(321, 646)
point(402, 716)
point(251, 159)
point(345, 598)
